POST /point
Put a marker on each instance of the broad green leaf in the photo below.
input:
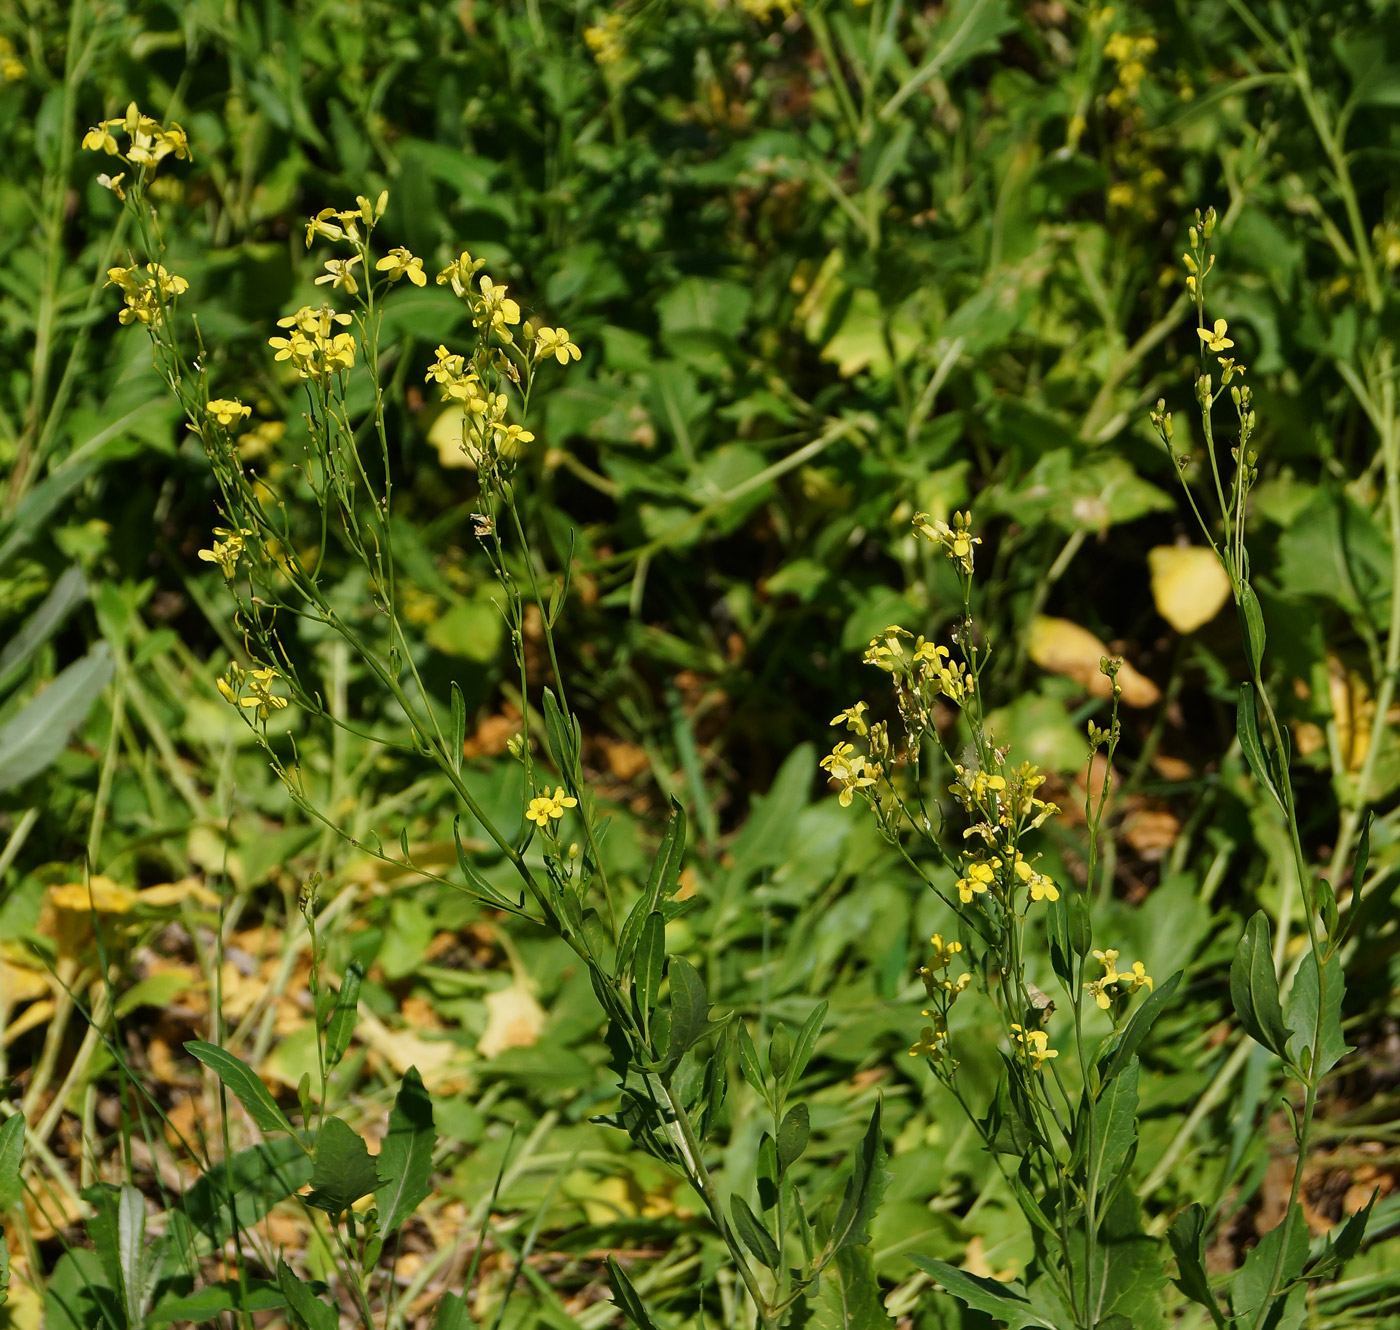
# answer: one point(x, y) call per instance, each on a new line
point(405, 1160)
point(226, 1296)
point(243, 1083)
point(1252, 626)
point(1343, 1242)
point(307, 1311)
point(1302, 1017)
point(1254, 987)
point(1115, 1129)
point(11, 1157)
point(1254, 1282)
point(752, 1233)
point(690, 1011)
point(132, 1253)
point(39, 732)
point(1006, 1303)
point(793, 1135)
point(452, 1314)
point(250, 1184)
point(341, 1025)
point(341, 1168)
point(1187, 1237)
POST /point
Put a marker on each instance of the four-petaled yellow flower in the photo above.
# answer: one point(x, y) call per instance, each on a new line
point(227, 411)
point(226, 551)
point(846, 766)
point(149, 141)
point(146, 292)
point(459, 272)
point(260, 697)
point(555, 342)
point(1042, 887)
point(853, 718)
point(497, 309)
point(930, 1044)
point(1036, 1045)
point(1215, 338)
point(339, 273)
point(546, 806)
point(979, 878)
point(398, 262)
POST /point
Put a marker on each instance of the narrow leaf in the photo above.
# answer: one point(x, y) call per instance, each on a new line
point(650, 964)
point(1303, 1022)
point(1003, 1302)
point(243, 1083)
point(1254, 987)
point(1120, 1048)
point(1247, 727)
point(39, 732)
point(308, 1312)
point(341, 1025)
point(793, 1135)
point(459, 728)
point(753, 1235)
point(11, 1156)
point(625, 1296)
point(690, 1011)
point(864, 1188)
point(1187, 1237)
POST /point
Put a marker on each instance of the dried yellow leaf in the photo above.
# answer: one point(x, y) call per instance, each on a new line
point(97, 893)
point(513, 1020)
point(1188, 584)
point(1062, 647)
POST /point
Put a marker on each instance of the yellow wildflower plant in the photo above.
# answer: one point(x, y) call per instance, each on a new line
point(555, 342)
point(227, 411)
point(148, 141)
point(1036, 1046)
point(544, 807)
point(849, 770)
point(399, 263)
point(226, 550)
point(1214, 337)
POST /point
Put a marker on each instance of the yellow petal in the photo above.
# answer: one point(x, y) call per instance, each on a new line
point(1188, 584)
point(1062, 647)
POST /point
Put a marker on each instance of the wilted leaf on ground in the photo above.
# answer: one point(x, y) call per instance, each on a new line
point(1063, 647)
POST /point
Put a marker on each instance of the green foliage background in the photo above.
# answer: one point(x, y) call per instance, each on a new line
point(827, 269)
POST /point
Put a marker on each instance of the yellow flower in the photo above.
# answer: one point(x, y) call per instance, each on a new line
point(398, 262)
point(1036, 1045)
point(957, 540)
point(929, 1045)
point(555, 342)
point(1215, 338)
point(225, 553)
point(340, 275)
point(1042, 887)
point(1109, 961)
point(497, 309)
point(114, 183)
point(849, 769)
point(943, 952)
point(508, 436)
point(852, 718)
point(146, 292)
point(1097, 989)
point(1138, 979)
point(261, 698)
point(979, 878)
point(545, 806)
point(226, 411)
point(459, 272)
point(446, 369)
point(11, 67)
point(101, 139)
point(321, 225)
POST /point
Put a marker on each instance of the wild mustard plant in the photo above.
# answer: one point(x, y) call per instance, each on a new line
point(1062, 1139)
point(785, 1253)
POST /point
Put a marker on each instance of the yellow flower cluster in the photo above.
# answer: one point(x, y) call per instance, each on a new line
point(146, 291)
point(227, 411)
point(148, 141)
point(312, 344)
point(11, 66)
point(850, 770)
point(546, 806)
point(331, 224)
point(1128, 983)
point(956, 541)
point(604, 39)
point(1036, 1044)
point(926, 669)
point(1129, 54)
point(226, 553)
point(259, 698)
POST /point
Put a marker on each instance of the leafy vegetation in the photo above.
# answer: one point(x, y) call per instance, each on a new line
point(420, 898)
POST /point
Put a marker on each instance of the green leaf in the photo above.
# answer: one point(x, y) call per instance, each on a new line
point(1343, 1243)
point(226, 1296)
point(39, 732)
point(805, 1045)
point(67, 594)
point(452, 1314)
point(459, 727)
point(1252, 626)
point(1254, 1283)
point(341, 1025)
point(625, 1296)
point(1118, 1049)
point(11, 1157)
point(1115, 1129)
point(564, 737)
point(243, 1083)
point(250, 1183)
point(1327, 904)
point(133, 1254)
point(864, 1188)
point(650, 964)
point(1187, 1237)
point(342, 1170)
point(780, 1051)
point(1081, 936)
point(308, 1312)
point(406, 1158)
point(1254, 987)
point(1003, 1302)
point(1247, 727)
point(1302, 1018)
point(690, 1011)
point(754, 1236)
point(665, 872)
point(476, 884)
point(793, 1135)
point(748, 1061)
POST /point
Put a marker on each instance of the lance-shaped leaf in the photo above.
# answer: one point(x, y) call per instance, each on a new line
point(1343, 1243)
point(1119, 1049)
point(626, 1297)
point(406, 1158)
point(1316, 1024)
point(753, 1235)
point(665, 872)
point(1187, 1237)
point(1247, 727)
point(864, 1188)
point(307, 1311)
point(243, 1082)
point(341, 1025)
point(11, 1156)
point(1254, 987)
point(690, 1012)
